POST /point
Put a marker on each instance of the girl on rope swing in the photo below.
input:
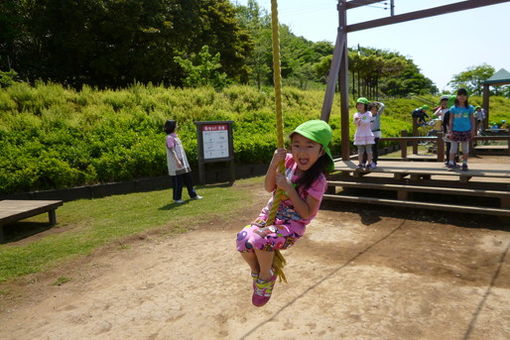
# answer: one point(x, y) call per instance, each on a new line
point(304, 184)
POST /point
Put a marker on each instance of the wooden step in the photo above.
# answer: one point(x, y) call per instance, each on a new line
point(431, 168)
point(419, 188)
point(419, 205)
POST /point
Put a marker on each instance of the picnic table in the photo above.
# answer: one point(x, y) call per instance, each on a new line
point(15, 210)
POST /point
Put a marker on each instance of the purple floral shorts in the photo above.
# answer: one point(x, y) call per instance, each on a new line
point(461, 136)
point(268, 238)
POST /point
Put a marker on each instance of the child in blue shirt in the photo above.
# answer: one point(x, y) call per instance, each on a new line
point(461, 127)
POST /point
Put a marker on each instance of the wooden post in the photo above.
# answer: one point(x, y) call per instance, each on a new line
point(232, 171)
point(344, 69)
point(440, 147)
point(402, 195)
point(415, 133)
point(333, 76)
point(485, 105)
point(53, 217)
point(403, 145)
point(508, 144)
point(504, 203)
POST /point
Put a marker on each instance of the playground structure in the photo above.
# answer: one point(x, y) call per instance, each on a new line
point(502, 77)
point(489, 178)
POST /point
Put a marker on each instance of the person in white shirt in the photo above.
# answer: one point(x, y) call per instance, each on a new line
point(178, 165)
point(480, 118)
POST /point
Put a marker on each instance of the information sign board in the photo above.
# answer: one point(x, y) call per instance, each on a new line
point(215, 141)
point(215, 145)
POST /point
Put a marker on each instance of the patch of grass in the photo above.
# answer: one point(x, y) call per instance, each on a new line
point(123, 246)
point(61, 280)
point(90, 224)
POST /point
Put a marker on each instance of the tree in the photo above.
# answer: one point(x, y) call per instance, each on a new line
point(203, 70)
point(114, 43)
point(375, 72)
point(473, 78)
point(12, 33)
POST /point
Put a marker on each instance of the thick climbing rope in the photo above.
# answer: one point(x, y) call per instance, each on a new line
point(278, 260)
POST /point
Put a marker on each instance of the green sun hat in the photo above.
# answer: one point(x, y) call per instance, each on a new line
point(451, 100)
point(363, 100)
point(425, 107)
point(319, 131)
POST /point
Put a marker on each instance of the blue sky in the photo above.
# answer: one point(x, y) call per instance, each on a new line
point(441, 46)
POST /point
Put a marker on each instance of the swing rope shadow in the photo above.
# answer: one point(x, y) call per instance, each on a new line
point(486, 295)
point(321, 281)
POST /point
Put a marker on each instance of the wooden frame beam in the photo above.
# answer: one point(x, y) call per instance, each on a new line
point(333, 76)
point(358, 3)
point(458, 6)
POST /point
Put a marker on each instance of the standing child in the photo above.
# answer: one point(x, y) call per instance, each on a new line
point(480, 118)
point(304, 184)
point(178, 166)
point(376, 109)
point(443, 112)
point(442, 108)
point(363, 138)
point(462, 128)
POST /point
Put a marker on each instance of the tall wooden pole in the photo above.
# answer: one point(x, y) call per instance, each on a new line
point(344, 70)
point(334, 71)
point(485, 105)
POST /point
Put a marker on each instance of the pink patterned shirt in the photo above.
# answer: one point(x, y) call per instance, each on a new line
point(286, 213)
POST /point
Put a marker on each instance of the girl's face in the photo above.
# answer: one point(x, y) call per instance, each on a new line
point(444, 103)
point(305, 151)
point(461, 98)
point(374, 110)
point(360, 107)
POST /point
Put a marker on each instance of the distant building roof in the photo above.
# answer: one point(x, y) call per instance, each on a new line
point(499, 78)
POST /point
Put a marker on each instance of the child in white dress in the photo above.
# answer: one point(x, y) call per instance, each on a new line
point(364, 137)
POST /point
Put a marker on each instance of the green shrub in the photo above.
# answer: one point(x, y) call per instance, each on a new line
point(55, 137)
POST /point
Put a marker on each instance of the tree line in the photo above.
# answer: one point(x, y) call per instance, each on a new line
point(188, 43)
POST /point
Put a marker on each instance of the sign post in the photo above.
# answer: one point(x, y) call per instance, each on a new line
point(215, 144)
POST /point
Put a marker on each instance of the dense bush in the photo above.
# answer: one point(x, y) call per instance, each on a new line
point(55, 137)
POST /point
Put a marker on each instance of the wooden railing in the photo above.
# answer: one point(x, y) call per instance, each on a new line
point(406, 140)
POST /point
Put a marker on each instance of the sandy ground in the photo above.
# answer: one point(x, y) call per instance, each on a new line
point(357, 274)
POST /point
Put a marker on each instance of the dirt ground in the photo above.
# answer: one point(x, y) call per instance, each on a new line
point(359, 273)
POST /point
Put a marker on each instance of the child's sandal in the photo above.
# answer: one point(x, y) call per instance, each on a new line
point(254, 277)
point(262, 291)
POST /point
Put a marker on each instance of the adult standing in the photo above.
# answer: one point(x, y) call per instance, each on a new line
point(178, 165)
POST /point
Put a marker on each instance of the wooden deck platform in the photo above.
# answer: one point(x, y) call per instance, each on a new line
point(430, 169)
point(414, 183)
point(15, 210)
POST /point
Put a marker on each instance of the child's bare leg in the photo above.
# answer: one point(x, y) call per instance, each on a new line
point(265, 259)
point(360, 157)
point(369, 158)
point(465, 151)
point(251, 259)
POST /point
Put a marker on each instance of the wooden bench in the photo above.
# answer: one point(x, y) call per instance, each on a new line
point(15, 210)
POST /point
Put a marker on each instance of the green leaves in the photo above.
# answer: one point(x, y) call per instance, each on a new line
point(203, 70)
point(472, 79)
point(116, 43)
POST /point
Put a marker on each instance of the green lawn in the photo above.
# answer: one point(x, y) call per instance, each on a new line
point(86, 225)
